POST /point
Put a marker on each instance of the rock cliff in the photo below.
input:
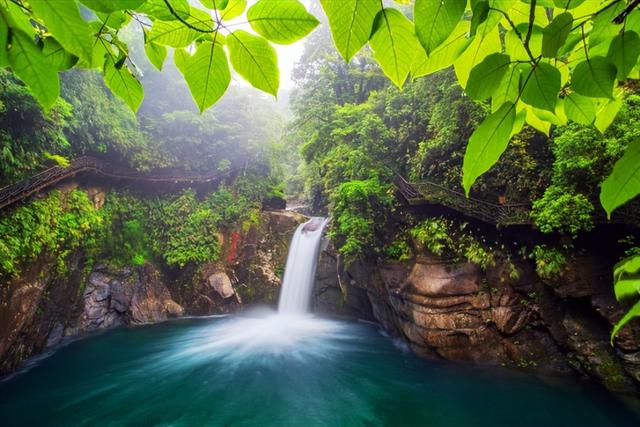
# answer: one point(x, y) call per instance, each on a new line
point(456, 311)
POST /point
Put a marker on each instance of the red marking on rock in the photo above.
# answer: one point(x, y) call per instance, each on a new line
point(233, 249)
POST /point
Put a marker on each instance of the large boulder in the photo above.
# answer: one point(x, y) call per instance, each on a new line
point(434, 278)
point(125, 296)
point(221, 283)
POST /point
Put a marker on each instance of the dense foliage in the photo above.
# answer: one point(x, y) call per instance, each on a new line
point(553, 161)
point(445, 238)
point(360, 210)
point(555, 61)
point(563, 68)
point(52, 226)
point(174, 230)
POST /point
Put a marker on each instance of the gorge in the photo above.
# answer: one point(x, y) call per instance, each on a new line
point(319, 213)
point(290, 368)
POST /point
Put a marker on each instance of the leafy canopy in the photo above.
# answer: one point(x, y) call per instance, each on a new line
point(39, 38)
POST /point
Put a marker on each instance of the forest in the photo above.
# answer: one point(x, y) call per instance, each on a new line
point(477, 163)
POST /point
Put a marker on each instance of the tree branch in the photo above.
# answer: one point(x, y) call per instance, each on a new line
point(187, 23)
point(532, 18)
point(627, 10)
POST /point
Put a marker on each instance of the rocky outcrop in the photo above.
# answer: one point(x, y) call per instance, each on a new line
point(42, 308)
point(456, 311)
point(249, 270)
point(258, 263)
point(33, 305)
point(115, 297)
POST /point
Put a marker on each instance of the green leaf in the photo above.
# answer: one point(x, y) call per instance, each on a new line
point(177, 34)
point(487, 143)
point(594, 78)
point(156, 54)
point(233, 9)
point(4, 35)
point(394, 44)
point(567, 4)
point(480, 13)
point(444, 55)
point(580, 109)
point(281, 21)
point(536, 122)
point(351, 22)
point(123, 83)
point(215, 4)
point(63, 20)
point(555, 34)
point(624, 182)
point(30, 65)
point(206, 72)
point(111, 5)
point(627, 288)
point(520, 12)
point(623, 53)
point(513, 45)
point(535, 44)
point(570, 44)
point(632, 23)
point(157, 9)
point(485, 78)
point(479, 49)
point(56, 56)
point(255, 60)
point(541, 87)
point(115, 20)
point(17, 19)
point(607, 112)
point(556, 117)
point(493, 17)
point(629, 265)
point(435, 20)
point(603, 29)
point(633, 312)
point(508, 89)
point(519, 122)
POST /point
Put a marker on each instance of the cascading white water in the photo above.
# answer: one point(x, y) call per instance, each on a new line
point(240, 339)
point(299, 272)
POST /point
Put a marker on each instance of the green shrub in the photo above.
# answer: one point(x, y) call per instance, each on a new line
point(359, 210)
point(441, 236)
point(560, 210)
point(183, 230)
point(58, 224)
point(399, 250)
point(550, 262)
point(126, 239)
point(434, 234)
point(230, 208)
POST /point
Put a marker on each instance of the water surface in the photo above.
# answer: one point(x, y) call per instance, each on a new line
point(279, 371)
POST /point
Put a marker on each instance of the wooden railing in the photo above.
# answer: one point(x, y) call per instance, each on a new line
point(425, 192)
point(14, 193)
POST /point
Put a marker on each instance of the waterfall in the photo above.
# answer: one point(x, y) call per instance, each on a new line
point(300, 269)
